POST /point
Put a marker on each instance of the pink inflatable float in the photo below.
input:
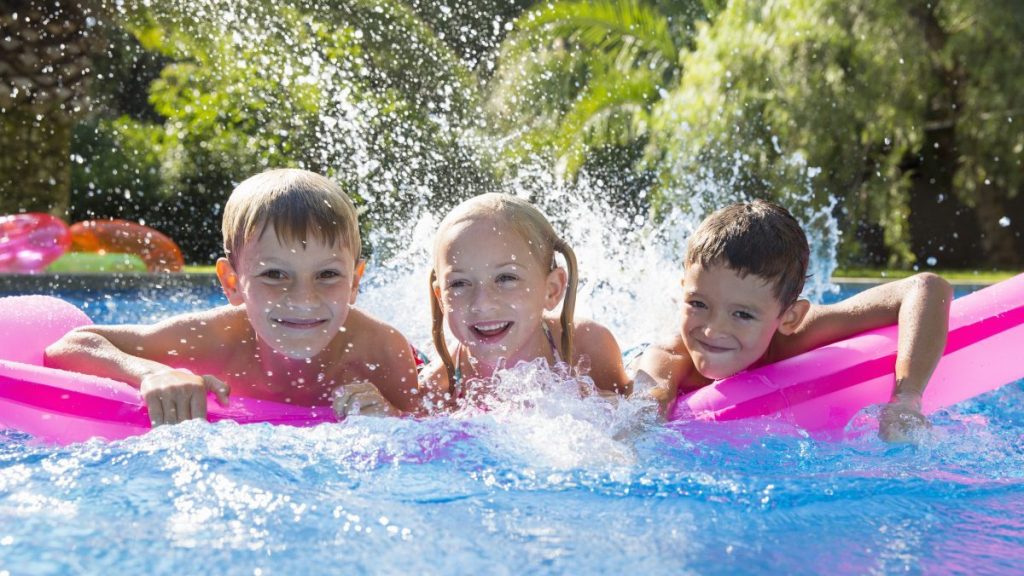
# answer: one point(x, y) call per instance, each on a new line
point(64, 407)
point(30, 242)
point(821, 390)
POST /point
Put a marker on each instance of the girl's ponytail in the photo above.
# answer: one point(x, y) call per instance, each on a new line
point(569, 302)
point(437, 331)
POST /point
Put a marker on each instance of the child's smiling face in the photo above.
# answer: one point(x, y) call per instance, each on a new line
point(494, 290)
point(297, 295)
point(728, 320)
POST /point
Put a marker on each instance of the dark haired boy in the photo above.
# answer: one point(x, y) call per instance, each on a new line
point(743, 274)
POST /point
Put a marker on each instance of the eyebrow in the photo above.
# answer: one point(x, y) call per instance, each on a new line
point(513, 263)
point(332, 261)
point(749, 307)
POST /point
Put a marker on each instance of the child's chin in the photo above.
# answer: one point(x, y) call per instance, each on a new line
point(716, 373)
point(296, 354)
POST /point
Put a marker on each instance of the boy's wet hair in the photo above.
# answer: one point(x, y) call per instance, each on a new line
point(533, 227)
point(759, 238)
point(298, 203)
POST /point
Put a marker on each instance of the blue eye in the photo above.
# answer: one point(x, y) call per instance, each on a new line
point(459, 283)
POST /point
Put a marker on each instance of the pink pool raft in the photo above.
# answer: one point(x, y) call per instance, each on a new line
point(819, 391)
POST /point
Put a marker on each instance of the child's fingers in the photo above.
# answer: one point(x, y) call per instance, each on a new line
point(359, 398)
point(372, 403)
point(220, 389)
point(169, 412)
point(899, 423)
point(365, 401)
point(156, 411)
point(340, 401)
point(183, 406)
point(197, 406)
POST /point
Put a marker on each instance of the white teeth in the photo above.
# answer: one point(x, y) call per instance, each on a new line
point(493, 327)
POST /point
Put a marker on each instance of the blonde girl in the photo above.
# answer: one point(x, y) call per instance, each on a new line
point(496, 283)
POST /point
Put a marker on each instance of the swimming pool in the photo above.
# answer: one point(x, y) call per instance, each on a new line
point(555, 485)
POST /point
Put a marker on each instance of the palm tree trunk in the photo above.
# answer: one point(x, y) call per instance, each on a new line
point(45, 63)
point(35, 169)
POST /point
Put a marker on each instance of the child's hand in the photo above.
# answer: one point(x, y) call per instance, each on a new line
point(644, 386)
point(361, 398)
point(901, 419)
point(173, 396)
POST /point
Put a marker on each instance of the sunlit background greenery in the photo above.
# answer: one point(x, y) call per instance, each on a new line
point(904, 117)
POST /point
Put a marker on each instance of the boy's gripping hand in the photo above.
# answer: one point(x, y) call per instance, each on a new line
point(361, 398)
point(901, 419)
point(173, 396)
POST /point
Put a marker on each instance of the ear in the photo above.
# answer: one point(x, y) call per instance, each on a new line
point(229, 281)
point(356, 277)
point(554, 287)
point(793, 316)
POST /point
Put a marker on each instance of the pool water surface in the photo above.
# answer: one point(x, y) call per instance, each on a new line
point(550, 484)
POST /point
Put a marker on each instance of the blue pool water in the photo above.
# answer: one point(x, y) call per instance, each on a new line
point(560, 486)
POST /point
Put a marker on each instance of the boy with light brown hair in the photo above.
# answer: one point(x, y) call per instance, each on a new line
point(289, 333)
point(744, 271)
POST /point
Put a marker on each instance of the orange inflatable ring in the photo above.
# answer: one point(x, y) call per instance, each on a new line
point(30, 242)
point(159, 252)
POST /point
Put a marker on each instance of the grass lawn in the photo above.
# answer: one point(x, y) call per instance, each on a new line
point(975, 276)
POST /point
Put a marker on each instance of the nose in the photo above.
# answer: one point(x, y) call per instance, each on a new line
point(301, 293)
point(713, 325)
point(482, 298)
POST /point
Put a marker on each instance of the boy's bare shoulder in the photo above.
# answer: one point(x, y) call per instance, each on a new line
point(371, 340)
point(668, 346)
point(367, 327)
point(591, 333)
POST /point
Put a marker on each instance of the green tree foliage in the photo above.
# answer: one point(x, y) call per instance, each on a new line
point(362, 91)
point(861, 90)
point(773, 88)
point(579, 76)
point(903, 113)
point(978, 55)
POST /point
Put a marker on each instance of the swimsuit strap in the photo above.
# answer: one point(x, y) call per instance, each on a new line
point(551, 342)
point(457, 376)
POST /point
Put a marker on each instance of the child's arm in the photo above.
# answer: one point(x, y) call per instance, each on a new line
point(598, 343)
point(361, 398)
point(140, 355)
point(920, 306)
point(660, 369)
point(390, 387)
point(433, 382)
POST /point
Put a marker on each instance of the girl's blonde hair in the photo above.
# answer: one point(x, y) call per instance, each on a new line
point(534, 228)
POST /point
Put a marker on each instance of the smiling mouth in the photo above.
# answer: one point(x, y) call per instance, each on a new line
point(491, 329)
point(712, 348)
point(300, 323)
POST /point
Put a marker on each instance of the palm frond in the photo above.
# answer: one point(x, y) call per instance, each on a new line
point(612, 111)
point(610, 26)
